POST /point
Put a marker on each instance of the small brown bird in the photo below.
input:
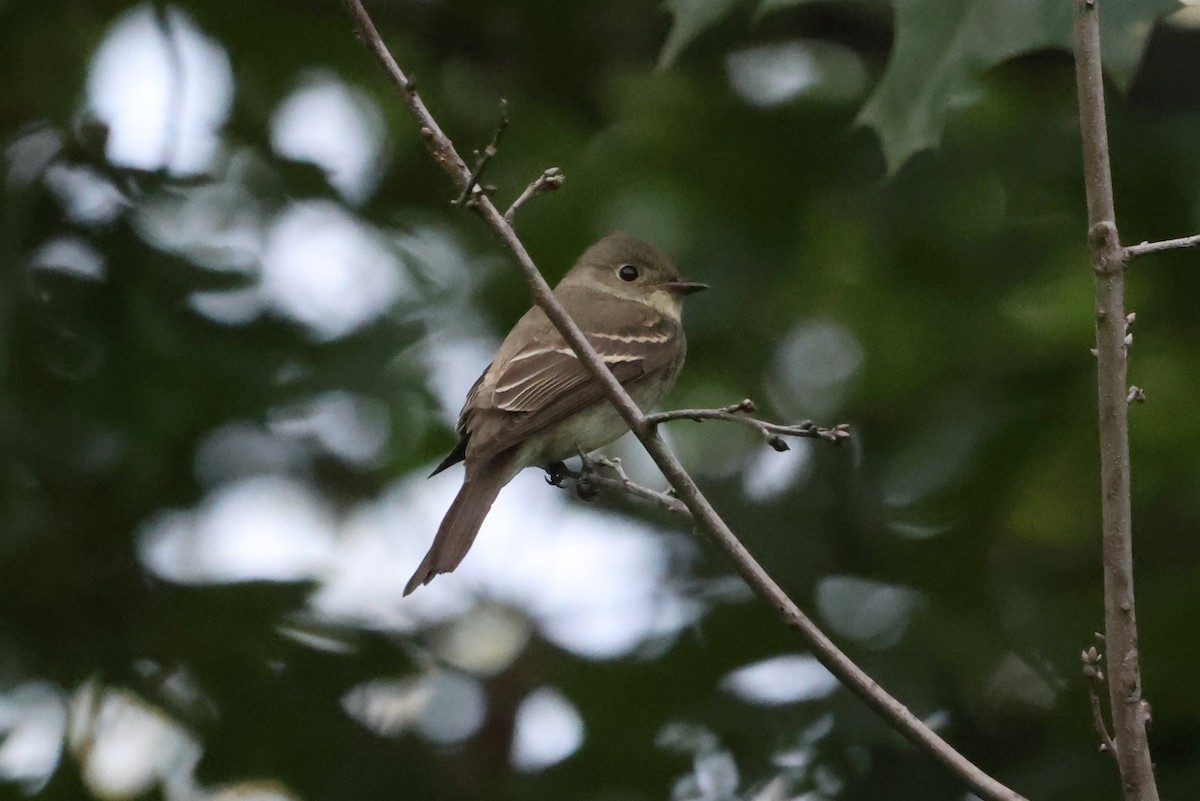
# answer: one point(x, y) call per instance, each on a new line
point(536, 404)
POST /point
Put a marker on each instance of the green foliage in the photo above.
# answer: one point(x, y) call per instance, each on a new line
point(691, 18)
point(942, 48)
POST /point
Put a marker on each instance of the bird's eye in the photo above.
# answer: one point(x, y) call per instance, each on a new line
point(627, 272)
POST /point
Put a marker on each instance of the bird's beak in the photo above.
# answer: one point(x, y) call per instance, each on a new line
point(684, 287)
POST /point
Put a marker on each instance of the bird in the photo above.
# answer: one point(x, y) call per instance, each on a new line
point(537, 405)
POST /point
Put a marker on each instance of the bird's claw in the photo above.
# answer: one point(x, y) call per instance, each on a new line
point(556, 474)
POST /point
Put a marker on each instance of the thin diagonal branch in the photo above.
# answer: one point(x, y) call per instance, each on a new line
point(1133, 251)
point(706, 517)
point(1112, 353)
point(440, 146)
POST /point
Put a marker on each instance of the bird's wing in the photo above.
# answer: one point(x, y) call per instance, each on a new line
point(460, 448)
point(544, 382)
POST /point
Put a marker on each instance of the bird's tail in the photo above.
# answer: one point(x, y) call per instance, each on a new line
point(461, 523)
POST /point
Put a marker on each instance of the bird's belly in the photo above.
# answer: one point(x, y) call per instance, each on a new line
point(581, 433)
point(594, 427)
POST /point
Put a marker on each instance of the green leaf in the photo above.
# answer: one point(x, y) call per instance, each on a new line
point(942, 46)
point(692, 18)
point(766, 7)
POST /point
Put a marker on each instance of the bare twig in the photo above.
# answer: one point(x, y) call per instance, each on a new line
point(472, 189)
point(706, 518)
point(1095, 675)
point(1108, 263)
point(548, 181)
point(1106, 741)
point(1133, 251)
point(773, 433)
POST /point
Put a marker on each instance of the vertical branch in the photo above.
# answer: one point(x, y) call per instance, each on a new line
point(1129, 711)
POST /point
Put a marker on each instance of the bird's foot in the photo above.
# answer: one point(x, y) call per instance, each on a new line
point(558, 474)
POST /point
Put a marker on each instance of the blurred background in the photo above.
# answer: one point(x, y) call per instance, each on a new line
point(238, 316)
